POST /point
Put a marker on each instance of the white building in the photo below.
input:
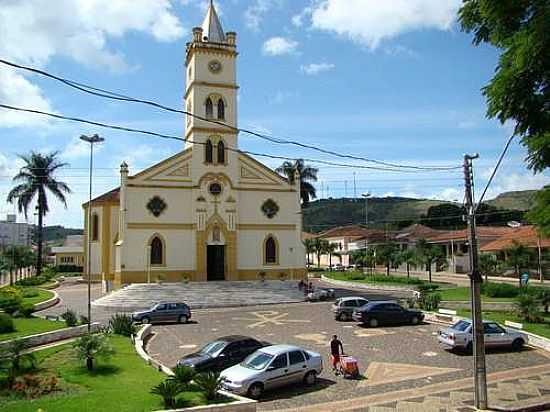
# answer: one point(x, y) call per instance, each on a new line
point(13, 233)
point(209, 212)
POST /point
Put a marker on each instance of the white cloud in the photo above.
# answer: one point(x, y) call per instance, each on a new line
point(278, 46)
point(77, 149)
point(298, 19)
point(316, 68)
point(400, 50)
point(34, 31)
point(449, 194)
point(369, 22)
point(255, 13)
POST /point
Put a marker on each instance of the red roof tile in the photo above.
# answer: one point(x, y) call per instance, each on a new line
point(526, 235)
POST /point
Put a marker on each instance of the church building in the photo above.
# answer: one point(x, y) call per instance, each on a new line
point(208, 213)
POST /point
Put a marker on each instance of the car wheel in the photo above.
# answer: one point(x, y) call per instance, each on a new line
point(256, 390)
point(414, 320)
point(373, 323)
point(183, 319)
point(310, 378)
point(517, 345)
point(145, 320)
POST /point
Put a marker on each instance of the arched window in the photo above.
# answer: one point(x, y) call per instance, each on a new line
point(156, 251)
point(221, 110)
point(221, 152)
point(208, 156)
point(270, 251)
point(95, 228)
point(209, 108)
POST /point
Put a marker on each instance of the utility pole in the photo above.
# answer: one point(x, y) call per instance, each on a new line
point(480, 372)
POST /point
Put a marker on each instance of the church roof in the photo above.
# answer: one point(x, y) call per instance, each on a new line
point(212, 27)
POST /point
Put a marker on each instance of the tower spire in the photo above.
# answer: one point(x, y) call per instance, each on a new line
point(211, 27)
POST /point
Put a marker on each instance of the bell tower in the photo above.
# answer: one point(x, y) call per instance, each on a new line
point(211, 91)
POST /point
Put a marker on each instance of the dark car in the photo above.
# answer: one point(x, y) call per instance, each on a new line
point(386, 313)
point(222, 353)
point(164, 312)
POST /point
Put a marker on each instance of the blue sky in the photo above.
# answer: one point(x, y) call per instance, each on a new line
point(394, 81)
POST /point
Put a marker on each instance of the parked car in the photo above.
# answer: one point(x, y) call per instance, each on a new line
point(459, 336)
point(164, 312)
point(272, 367)
point(221, 353)
point(386, 313)
point(320, 294)
point(343, 307)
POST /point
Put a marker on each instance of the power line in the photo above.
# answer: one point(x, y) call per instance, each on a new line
point(120, 97)
point(171, 137)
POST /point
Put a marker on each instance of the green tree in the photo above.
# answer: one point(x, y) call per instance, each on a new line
point(429, 255)
point(520, 89)
point(16, 360)
point(445, 216)
point(168, 390)
point(307, 175)
point(331, 249)
point(320, 246)
point(409, 258)
point(309, 246)
point(487, 265)
point(387, 254)
point(519, 257)
point(35, 179)
point(92, 347)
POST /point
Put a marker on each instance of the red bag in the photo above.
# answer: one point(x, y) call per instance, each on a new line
point(349, 366)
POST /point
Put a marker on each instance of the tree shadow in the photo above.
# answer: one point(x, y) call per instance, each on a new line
point(490, 351)
point(100, 370)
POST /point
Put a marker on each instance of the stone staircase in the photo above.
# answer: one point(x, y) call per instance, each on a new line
point(200, 295)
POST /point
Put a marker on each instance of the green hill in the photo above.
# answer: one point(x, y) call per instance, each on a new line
point(520, 200)
point(59, 233)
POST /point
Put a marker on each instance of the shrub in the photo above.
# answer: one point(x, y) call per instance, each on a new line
point(10, 299)
point(92, 347)
point(411, 302)
point(26, 310)
point(34, 386)
point(209, 384)
point(29, 292)
point(6, 323)
point(499, 290)
point(527, 308)
point(168, 390)
point(316, 270)
point(15, 361)
point(357, 276)
point(427, 287)
point(122, 324)
point(183, 375)
point(429, 301)
point(70, 318)
point(84, 320)
point(69, 269)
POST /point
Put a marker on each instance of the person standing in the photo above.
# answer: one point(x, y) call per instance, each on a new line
point(336, 350)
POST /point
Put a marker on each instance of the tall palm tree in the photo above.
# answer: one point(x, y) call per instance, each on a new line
point(408, 256)
point(308, 243)
point(332, 250)
point(35, 179)
point(428, 254)
point(307, 174)
point(519, 257)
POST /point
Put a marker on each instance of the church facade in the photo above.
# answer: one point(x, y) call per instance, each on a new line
point(210, 212)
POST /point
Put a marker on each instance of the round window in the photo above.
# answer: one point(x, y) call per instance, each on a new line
point(215, 189)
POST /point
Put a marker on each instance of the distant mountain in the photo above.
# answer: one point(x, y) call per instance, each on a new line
point(56, 234)
point(520, 200)
point(398, 212)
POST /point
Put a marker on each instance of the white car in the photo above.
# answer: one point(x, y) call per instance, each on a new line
point(321, 294)
point(459, 336)
point(272, 367)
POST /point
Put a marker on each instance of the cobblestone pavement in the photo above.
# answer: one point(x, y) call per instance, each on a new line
point(397, 360)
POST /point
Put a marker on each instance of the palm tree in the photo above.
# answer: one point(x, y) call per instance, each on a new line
point(487, 265)
point(307, 174)
point(518, 256)
point(408, 257)
point(34, 180)
point(429, 254)
point(308, 243)
point(331, 249)
point(387, 254)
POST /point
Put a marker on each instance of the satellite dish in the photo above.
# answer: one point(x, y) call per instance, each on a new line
point(514, 224)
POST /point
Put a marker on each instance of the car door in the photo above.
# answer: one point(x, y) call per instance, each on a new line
point(172, 312)
point(159, 313)
point(297, 366)
point(228, 357)
point(277, 371)
point(495, 336)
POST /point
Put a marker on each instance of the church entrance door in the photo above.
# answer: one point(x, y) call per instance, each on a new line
point(215, 260)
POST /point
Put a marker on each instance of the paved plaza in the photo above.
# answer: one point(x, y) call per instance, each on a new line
point(399, 362)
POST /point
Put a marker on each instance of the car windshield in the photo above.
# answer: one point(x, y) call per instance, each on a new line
point(461, 325)
point(213, 348)
point(258, 361)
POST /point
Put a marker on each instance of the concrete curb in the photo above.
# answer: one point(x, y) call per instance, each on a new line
point(366, 286)
point(240, 404)
point(47, 303)
point(53, 336)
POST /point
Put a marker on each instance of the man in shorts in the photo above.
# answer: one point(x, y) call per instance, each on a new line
point(336, 349)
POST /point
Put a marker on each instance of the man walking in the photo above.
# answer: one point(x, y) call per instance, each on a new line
point(336, 349)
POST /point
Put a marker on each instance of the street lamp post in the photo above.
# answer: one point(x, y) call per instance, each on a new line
point(90, 139)
point(366, 195)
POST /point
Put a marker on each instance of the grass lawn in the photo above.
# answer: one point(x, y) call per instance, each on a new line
point(463, 294)
point(31, 326)
point(377, 278)
point(542, 329)
point(42, 296)
point(121, 385)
